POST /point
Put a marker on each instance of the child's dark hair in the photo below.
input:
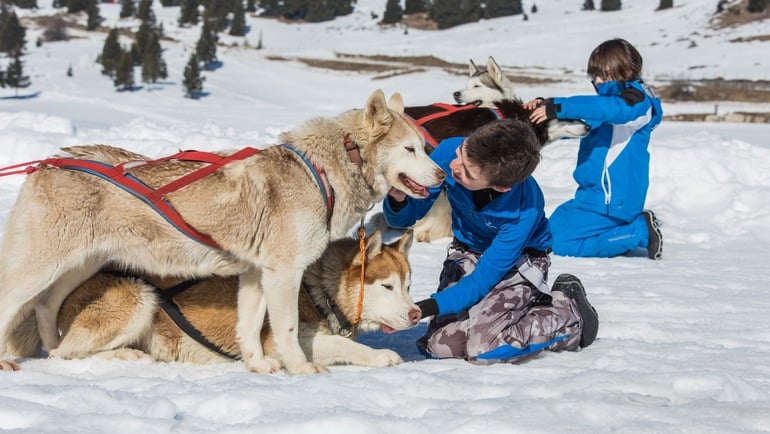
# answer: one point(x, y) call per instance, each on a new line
point(507, 150)
point(615, 59)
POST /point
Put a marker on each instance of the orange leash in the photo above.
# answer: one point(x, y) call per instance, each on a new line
point(362, 245)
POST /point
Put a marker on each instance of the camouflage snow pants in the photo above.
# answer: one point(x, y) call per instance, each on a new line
point(514, 321)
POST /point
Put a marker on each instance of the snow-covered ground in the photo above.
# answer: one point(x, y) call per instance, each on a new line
point(683, 344)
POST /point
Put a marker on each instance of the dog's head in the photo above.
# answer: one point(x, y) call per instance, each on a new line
point(396, 150)
point(485, 86)
point(387, 305)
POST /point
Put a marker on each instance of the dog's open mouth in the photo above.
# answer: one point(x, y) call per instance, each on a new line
point(477, 102)
point(417, 189)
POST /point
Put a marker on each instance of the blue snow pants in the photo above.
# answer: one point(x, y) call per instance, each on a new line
point(580, 232)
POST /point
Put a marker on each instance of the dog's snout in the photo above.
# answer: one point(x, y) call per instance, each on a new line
point(414, 316)
point(456, 94)
point(440, 175)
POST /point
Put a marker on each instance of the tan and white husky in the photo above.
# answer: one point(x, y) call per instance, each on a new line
point(127, 316)
point(266, 212)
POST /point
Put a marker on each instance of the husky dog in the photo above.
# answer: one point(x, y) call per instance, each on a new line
point(489, 87)
point(492, 94)
point(271, 214)
point(118, 316)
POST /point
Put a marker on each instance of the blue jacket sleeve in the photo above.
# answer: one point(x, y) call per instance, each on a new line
point(499, 258)
point(595, 109)
point(414, 210)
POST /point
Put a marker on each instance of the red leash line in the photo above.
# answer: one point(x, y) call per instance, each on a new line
point(30, 167)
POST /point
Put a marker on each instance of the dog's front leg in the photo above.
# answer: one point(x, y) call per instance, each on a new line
point(251, 317)
point(281, 288)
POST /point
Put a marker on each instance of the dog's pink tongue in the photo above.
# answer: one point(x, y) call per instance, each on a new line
point(387, 329)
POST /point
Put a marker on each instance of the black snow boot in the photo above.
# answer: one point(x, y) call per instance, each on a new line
point(571, 286)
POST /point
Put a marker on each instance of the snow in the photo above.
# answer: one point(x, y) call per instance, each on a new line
point(683, 343)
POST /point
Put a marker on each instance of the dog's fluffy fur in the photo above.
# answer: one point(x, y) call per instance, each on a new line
point(486, 88)
point(266, 212)
point(116, 316)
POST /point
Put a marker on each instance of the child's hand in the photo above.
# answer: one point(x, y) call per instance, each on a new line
point(535, 103)
point(538, 115)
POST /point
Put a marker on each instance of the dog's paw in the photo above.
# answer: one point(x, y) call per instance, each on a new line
point(382, 358)
point(7, 365)
point(307, 368)
point(263, 365)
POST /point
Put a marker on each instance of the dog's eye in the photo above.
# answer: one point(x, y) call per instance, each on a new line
point(410, 149)
point(388, 287)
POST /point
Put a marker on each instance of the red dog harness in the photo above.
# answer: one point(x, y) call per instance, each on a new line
point(448, 109)
point(156, 198)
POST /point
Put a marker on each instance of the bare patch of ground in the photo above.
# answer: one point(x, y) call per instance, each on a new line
point(736, 15)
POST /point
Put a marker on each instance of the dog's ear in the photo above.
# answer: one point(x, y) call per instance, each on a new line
point(405, 242)
point(499, 78)
point(396, 103)
point(377, 117)
point(472, 68)
point(494, 70)
point(372, 248)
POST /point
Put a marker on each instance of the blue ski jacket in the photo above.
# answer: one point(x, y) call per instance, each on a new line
point(501, 230)
point(613, 163)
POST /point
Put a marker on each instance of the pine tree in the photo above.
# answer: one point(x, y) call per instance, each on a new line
point(93, 15)
point(188, 12)
point(144, 12)
point(251, 6)
point(206, 48)
point(588, 5)
point(142, 36)
point(111, 52)
point(153, 66)
point(611, 5)
point(69, 71)
point(757, 6)
point(534, 8)
point(14, 76)
point(12, 33)
point(414, 6)
point(238, 25)
point(216, 14)
point(127, 8)
point(393, 12)
point(74, 6)
point(259, 42)
point(450, 13)
point(26, 4)
point(665, 4)
point(502, 8)
point(124, 73)
point(318, 11)
point(193, 82)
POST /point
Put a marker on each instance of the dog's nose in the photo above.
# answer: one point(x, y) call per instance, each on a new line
point(414, 316)
point(440, 175)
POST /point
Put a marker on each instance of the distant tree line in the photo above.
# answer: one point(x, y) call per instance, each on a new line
point(12, 42)
point(311, 11)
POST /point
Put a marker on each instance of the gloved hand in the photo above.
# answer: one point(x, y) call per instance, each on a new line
point(429, 307)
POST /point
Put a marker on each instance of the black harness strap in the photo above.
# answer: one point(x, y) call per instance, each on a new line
point(172, 310)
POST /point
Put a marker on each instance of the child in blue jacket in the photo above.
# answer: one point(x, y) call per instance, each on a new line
point(493, 301)
point(606, 217)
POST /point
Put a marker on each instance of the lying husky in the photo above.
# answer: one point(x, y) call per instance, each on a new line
point(270, 215)
point(118, 316)
point(488, 95)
